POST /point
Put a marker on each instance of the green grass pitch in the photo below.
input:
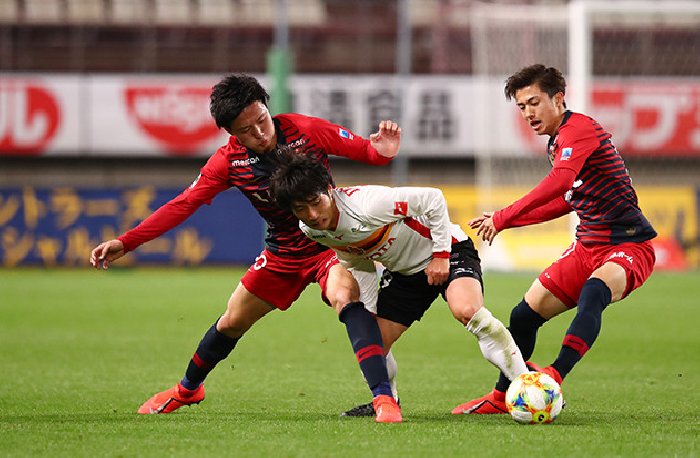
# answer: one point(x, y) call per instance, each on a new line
point(81, 350)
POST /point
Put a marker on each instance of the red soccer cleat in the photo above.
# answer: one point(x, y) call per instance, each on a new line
point(549, 370)
point(388, 411)
point(170, 400)
point(491, 404)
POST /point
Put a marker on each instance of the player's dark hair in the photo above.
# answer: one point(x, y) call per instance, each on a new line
point(549, 79)
point(298, 178)
point(233, 94)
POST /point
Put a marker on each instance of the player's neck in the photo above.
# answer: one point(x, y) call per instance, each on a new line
point(336, 217)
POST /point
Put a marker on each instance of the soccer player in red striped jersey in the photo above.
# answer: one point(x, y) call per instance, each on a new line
point(612, 254)
point(290, 261)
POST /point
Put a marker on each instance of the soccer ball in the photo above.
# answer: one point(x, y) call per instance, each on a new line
point(534, 397)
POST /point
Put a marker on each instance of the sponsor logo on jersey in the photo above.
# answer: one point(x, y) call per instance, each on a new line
point(401, 208)
point(566, 154)
point(298, 143)
point(245, 162)
point(379, 252)
point(345, 134)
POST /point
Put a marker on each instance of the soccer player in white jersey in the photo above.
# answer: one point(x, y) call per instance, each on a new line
point(407, 230)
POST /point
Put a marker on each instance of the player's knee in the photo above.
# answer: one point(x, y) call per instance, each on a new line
point(233, 324)
point(465, 311)
point(523, 316)
point(343, 297)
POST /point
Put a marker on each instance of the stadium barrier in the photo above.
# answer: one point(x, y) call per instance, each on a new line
point(59, 226)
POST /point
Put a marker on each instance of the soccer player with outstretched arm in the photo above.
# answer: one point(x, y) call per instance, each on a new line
point(290, 260)
point(408, 231)
point(612, 254)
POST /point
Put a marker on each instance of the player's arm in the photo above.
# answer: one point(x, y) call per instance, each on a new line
point(554, 209)
point(381, 147)
point(551, 189)
point(546, 201)
point(168, 216)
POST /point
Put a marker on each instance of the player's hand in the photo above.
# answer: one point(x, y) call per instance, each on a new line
point(438, 270)
point(105, 253)
point(476, 222)
point(387, 139)
point(487, 230)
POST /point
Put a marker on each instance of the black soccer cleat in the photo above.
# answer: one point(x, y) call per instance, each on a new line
point(363, 410)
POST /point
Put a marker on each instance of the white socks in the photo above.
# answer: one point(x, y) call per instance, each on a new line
point(392, 368)
point(496, 344)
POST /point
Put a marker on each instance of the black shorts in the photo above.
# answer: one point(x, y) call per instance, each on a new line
point(405, 298)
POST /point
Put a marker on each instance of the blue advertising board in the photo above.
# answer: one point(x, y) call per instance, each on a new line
point(60, 226)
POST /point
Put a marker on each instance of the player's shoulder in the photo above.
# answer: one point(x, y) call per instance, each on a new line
point(361, 192)
point(297, 120)
point(226, 154)
point(578, 124)
point(231, 150)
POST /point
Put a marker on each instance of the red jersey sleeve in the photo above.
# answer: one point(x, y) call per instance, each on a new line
point(339, 141)
point(211, 181)
point(535, 205)
point(549, 211)
point(575, 143)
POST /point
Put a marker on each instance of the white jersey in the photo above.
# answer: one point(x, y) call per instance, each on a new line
point(399, 227)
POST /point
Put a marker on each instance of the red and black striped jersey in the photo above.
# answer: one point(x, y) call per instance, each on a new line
point(589, 177)
point(235, 166)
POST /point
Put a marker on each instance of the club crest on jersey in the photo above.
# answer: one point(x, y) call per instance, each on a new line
point(345, 134)
point(566, 154)
point(401, 208)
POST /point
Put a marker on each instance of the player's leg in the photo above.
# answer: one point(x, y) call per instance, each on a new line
point(369, 288)
point(367, 410)
point(242, 311)
point(465, 300)
point(624, 268)
point(548, 296)
point(342, 292)
point(525, 321)
point(368, 281)
point(272, 282)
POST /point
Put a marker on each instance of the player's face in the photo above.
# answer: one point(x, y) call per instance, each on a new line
point(543, 113)
point(319, 212)
point(254, 128)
